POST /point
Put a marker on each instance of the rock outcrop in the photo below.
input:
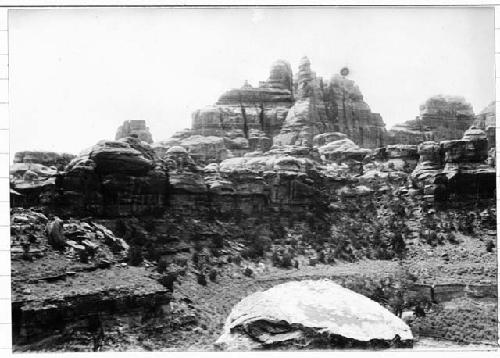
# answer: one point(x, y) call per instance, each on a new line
point(113, 178)
point(312, 314)
point(411, 132)
point(456, 168)
point(32, 172)
point(135, 128)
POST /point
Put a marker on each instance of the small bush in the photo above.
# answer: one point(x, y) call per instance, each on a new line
point(135, 257)
point(162, 265)
point(168, 280)
point(218, 241)
point(202, 280)
point(490, 245)
point(212, 275)
point(248, 272)
point(286, 261)
point(197, 246)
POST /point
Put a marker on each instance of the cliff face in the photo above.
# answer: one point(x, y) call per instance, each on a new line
point(332, 106)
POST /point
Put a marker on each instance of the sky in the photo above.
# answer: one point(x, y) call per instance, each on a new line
point(76, 74)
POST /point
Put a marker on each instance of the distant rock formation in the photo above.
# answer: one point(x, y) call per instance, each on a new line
point(48, 159)
point(280, 111)
point(441, 118)
point(486, 120)
point(134, 128)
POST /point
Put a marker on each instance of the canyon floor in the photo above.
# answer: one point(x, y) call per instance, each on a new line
point(198, 312)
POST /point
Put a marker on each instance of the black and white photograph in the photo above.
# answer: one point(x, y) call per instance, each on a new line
point(252, 178)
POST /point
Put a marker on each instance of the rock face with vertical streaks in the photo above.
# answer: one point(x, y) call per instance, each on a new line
point(332, 106)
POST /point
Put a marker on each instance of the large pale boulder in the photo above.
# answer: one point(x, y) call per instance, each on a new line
point(311, 314)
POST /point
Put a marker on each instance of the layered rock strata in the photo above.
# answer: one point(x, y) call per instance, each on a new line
point(113, 178)
point(456, 168)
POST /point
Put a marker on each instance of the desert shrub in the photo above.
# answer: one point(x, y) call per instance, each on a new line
point(212, 275)
point(194, 258)
point(452, 238)
point(162, 265)
point(201, 279)
point(257, 247)
point(275, 259)
point(248, 272)
point(490, 245)
point(135, 256)
point(149, 225)
point(237, 260)
point(330, 258)
point(168, 280)
point(218, 241)
point(120, 228)
point(215, 252)
point(286, 260)
point(198, 246)
point(321, 257)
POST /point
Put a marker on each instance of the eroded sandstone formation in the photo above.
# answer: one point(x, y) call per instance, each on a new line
point(134, 128)
point(280, 111)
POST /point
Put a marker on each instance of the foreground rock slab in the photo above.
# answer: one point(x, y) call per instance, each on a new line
point(311, 314)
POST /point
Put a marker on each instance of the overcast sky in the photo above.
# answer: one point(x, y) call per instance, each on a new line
point(77, 74)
